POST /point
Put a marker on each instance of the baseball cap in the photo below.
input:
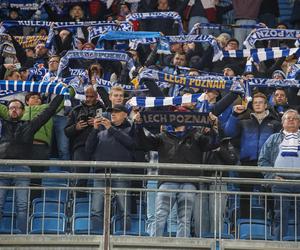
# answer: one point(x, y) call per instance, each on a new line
point(118, 108)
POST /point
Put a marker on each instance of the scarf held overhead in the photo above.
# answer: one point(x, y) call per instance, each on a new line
point(270, 34)
point(175, 118)
point(94, 54)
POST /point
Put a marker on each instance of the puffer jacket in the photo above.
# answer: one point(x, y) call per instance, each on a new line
point(252, 134)
point(17, 136)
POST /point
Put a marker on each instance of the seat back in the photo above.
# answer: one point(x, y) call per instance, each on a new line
point(82, 225)
point(48, 224)
point(39, 205)
point(254, 229)
point(137, 225)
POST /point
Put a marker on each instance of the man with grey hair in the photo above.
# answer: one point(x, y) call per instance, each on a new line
point(282, 150)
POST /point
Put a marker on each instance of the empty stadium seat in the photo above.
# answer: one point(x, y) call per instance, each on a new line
point(254, 229)
point(57, 194)
point(256, 213)
point(81, 225)
point(225, 234)
point(39, 205)
point(137, 225)
point(291, 232)
point(82, 206)
point(48, 224)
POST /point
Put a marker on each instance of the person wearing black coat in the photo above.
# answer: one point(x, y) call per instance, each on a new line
point(16, 143)
point(111, 141)
point(178, 145)
point(79, 125)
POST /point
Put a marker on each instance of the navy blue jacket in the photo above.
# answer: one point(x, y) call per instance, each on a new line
point(252, 134)
point(114, 144)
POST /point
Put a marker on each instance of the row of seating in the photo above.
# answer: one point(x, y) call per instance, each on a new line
point(56, 212)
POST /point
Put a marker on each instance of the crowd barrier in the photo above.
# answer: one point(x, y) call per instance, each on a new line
point(57, 207)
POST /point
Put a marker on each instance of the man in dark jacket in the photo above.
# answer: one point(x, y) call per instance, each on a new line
point(16, 143)
point(111, 141)
point(178, 145)
point(80, 123)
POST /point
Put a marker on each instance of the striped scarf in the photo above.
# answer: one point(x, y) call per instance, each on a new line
point(149, 102)
point(39, 87)
point(157, 15)
point(290, 144)
point(260, 54)
point(270, 34)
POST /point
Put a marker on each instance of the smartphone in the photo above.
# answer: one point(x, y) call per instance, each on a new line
point(98, 113)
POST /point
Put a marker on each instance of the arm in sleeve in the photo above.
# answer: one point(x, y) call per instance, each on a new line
point(122, 137)
point(3, 111)
point(91, 142)
point(70, 129)
point(264, 159)
point(224, 103)
point(147, 142)
point(232, 126)
point(43, 117)
point(20, 52)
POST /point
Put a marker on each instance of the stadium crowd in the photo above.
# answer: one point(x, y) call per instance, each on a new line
point(249, 109)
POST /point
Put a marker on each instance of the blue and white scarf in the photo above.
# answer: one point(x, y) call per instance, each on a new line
point(202, 82)
point(37, 72)
point(122, 35)
point(31, 23)
point(270, 34)
point(40, 87)
point(149, 102)
point(261, 54)
point(95, 54)
point(198, 26)
point(267, 83)
point(182, 39)
point(290, 144)
point(96, 31)
point(157, 15)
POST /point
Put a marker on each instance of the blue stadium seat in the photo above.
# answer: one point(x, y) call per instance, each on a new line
point(48, 224)
point(81, 225)
point(137, 225)
point(8, 224)
point(57, 194)
point(82, 206)
point(254, 229)
point(291, 232)
point(256, 213)
point(39, 205)
point(224, 235)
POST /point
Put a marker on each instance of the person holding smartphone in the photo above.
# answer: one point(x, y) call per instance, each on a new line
point(79, 125)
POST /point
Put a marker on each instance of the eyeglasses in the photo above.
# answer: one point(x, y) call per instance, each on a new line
point(53, 61)
point(291, 118)
point(14, 107)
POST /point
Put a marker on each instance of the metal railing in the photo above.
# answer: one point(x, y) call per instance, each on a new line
point(225, 221)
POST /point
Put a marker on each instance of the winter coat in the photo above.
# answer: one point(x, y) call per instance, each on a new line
point(80, 112)
point(187, 148)
point(17, 136)
point(114, 144)
point(252, 134)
